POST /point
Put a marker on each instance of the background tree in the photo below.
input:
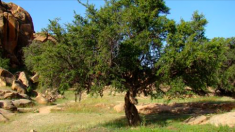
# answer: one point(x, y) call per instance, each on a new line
point(60, 65)
point(226, 74)
point(190, 59)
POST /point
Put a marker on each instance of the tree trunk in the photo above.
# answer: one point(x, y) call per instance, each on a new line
point(131, 112)
point(76, 96)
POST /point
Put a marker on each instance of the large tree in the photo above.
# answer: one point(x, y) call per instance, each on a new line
point(116, 45)
point(128, 40)
point(124, 44)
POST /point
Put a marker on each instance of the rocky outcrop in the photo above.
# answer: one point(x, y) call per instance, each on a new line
point(16, 31)
point(44, 37)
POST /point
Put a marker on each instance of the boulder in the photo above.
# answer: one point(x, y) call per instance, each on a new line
point(41, 100)
point(16, 31)
point(26, 110)
point(22, 103)
point(10, 94)
point(119, 108)
point(2, 83)
point(196, 120)
point(35, 78)
point(19, 87)
point(22, 77)
point(43, 37)
point(32, 130)
point(52, 94)
point(6, 78)
point(226, 119)
point(4, 91)
point(7, 105)
point(24, 96)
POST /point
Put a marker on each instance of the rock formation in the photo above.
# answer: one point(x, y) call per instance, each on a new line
point(16, 31)
point(43, 37)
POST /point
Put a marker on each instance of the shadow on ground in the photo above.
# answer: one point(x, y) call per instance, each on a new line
point(162, 115)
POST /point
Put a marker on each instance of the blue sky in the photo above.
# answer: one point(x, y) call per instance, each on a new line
point(219, 13)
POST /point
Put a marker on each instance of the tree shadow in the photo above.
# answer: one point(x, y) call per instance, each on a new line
point(162, 115)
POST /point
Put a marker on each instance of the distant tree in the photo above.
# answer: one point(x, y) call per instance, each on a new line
point(60, 65)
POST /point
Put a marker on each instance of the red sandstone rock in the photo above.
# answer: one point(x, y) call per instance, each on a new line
point(16, 31)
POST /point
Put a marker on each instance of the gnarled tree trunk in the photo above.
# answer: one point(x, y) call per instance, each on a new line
point(131, 112)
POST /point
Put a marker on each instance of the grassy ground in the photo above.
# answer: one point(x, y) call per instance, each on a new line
point(96, 114)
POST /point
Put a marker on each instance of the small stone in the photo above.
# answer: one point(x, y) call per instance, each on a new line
point(41, 100)
point(32, 130)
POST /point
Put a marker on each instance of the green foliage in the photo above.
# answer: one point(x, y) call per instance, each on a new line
point(4, 63)
point(189, 55)
point(226, 75)
point(131, 44)
point(59, 65)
